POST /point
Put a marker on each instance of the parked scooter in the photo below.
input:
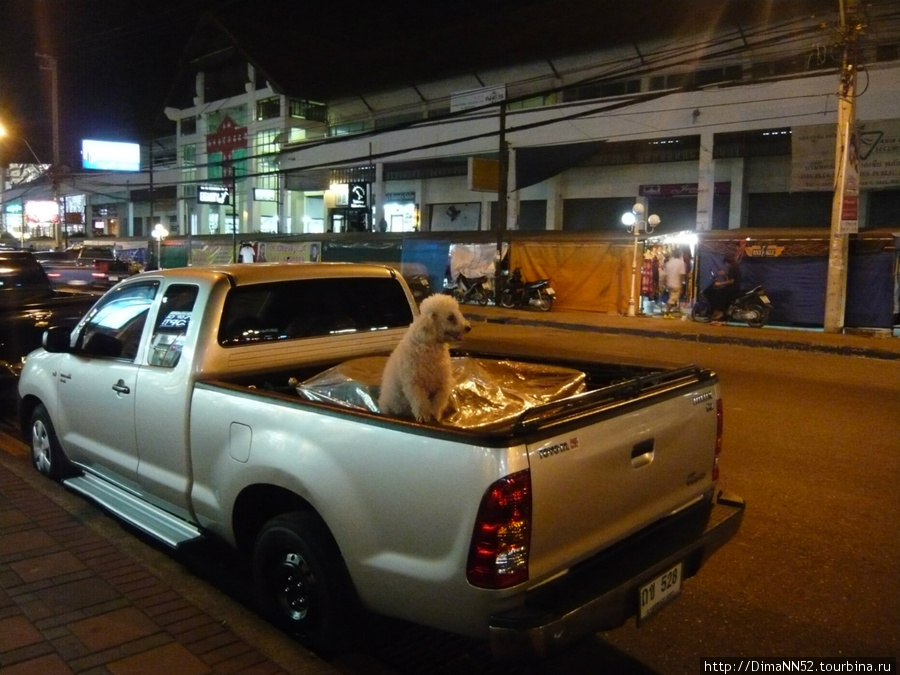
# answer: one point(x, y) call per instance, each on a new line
point(751, 307)
point(520, 293)
point(470, 290)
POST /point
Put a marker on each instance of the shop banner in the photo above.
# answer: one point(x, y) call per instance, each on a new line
point(813, 155)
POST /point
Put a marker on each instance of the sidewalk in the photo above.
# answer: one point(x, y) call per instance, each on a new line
point(73, 600)
point(871, 344)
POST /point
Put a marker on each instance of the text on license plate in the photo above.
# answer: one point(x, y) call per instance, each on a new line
point(654, 595)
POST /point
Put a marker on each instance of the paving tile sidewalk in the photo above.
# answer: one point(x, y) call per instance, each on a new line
point(73, 602)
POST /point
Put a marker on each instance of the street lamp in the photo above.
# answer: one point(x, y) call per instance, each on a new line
point(159, 233)
point(43, 168)
point(634, 221)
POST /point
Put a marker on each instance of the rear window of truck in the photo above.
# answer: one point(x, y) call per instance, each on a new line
point(312, 308)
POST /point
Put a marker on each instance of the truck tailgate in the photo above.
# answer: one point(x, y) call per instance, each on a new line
point(645, 457)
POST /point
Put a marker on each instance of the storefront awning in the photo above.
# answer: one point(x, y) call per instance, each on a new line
point(537, 164)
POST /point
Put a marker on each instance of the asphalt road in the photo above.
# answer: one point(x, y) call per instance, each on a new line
point(811, 443)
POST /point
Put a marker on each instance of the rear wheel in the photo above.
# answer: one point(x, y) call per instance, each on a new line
point(757, 314)
point(485, 296)
point(46, 453)
point(301, 583)
point(478, 297)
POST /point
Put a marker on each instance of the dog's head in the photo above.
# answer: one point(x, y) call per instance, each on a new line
point(441, 320)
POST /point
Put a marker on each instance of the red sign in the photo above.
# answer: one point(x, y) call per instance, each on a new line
point(227, 138)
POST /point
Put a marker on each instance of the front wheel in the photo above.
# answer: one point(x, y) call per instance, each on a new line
point(47, 455)
point(484, 297)
point(544, 301)
point(701, 311)
point(301, 582)
point(507, 299)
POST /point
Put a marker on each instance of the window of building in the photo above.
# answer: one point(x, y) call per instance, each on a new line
point(188, 126)
point(268, 108)
point(307, 110)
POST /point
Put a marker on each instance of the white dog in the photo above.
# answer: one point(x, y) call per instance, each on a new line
point(418, 377)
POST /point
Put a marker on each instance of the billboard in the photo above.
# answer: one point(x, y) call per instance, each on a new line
point(110, 156)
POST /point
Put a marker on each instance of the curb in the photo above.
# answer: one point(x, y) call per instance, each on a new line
point(707, 338)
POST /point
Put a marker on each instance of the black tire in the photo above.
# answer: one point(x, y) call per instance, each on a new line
point(301, 583)
point(545, 301)
point(483, 297)
point(47, 455)
point(701, 311)
point(507, 299)
point(761, 314)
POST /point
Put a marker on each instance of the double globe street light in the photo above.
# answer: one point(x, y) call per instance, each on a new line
point(634, 221)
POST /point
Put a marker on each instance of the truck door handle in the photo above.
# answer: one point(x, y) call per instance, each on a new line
point(642, 453)
point(121, 388)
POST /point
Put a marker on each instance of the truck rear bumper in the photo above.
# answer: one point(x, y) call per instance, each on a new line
point(602, 593)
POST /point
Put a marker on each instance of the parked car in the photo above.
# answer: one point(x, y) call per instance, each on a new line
point(93, 267)
point(28, 306)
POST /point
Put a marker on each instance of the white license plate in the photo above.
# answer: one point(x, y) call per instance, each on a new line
point(113, 278)
point(550, 291)
point(659, 592)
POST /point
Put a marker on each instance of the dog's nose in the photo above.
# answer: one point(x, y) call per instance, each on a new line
point(467, 327)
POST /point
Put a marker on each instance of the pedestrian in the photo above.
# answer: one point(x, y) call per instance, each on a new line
point(673, 272)
point(725, 288)
point(246, 254)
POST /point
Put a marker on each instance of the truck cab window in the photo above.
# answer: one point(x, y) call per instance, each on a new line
point(172, 323)
point(114, 326)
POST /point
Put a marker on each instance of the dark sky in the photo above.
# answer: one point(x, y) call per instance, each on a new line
point(118, 59)
point(115, 61)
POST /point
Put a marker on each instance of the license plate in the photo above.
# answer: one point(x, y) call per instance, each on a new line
point(113, 278)
point(764, 298)
point(550, 291)
point(659, 592)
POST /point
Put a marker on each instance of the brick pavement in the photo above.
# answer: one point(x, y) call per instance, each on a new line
point(73, 602)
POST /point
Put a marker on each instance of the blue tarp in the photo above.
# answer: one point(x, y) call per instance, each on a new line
point(796, 286)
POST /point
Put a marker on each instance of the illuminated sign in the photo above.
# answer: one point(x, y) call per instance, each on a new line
point(213, 194)
point(265, 195)
point(357, 195)
point(110, 156)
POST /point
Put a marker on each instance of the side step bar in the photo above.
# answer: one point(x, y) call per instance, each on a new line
point(148, 518)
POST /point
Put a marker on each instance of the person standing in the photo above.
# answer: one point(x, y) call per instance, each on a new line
point(673, 275)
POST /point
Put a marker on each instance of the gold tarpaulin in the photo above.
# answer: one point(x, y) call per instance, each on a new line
point(586, 275)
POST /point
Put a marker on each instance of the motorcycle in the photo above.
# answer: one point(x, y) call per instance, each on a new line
point(470, 290)
point(752, 307)
point(520, 293)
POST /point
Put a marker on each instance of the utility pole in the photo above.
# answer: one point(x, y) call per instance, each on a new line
point(49, 63)
point(845, 206)
point(502, 190)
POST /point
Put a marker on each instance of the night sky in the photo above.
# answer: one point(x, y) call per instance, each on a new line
point(118, 59)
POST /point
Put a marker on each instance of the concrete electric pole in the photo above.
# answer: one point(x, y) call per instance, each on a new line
point(845, 206)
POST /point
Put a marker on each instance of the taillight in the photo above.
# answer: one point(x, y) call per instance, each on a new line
point(498, 557)
point(720, 427)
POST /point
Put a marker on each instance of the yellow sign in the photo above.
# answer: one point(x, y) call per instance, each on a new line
point(484, 174)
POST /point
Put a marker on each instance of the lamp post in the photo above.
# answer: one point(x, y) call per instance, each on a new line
point(634, 221)
point(159, 233)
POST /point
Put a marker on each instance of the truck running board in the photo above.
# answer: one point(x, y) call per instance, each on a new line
point(146, 517)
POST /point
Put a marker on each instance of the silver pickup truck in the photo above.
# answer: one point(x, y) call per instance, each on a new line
point(184, 402)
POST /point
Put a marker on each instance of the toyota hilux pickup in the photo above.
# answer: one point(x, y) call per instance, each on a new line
point(237, 402)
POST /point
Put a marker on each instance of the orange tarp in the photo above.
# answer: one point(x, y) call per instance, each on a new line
point(586, 275)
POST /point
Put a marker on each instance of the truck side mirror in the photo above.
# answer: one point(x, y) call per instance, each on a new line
point(58, 339)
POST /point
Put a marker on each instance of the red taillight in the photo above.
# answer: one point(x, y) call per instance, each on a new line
point(720, 427)
point(498, 557)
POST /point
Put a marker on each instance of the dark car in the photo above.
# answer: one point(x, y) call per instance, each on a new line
point(28, 306)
